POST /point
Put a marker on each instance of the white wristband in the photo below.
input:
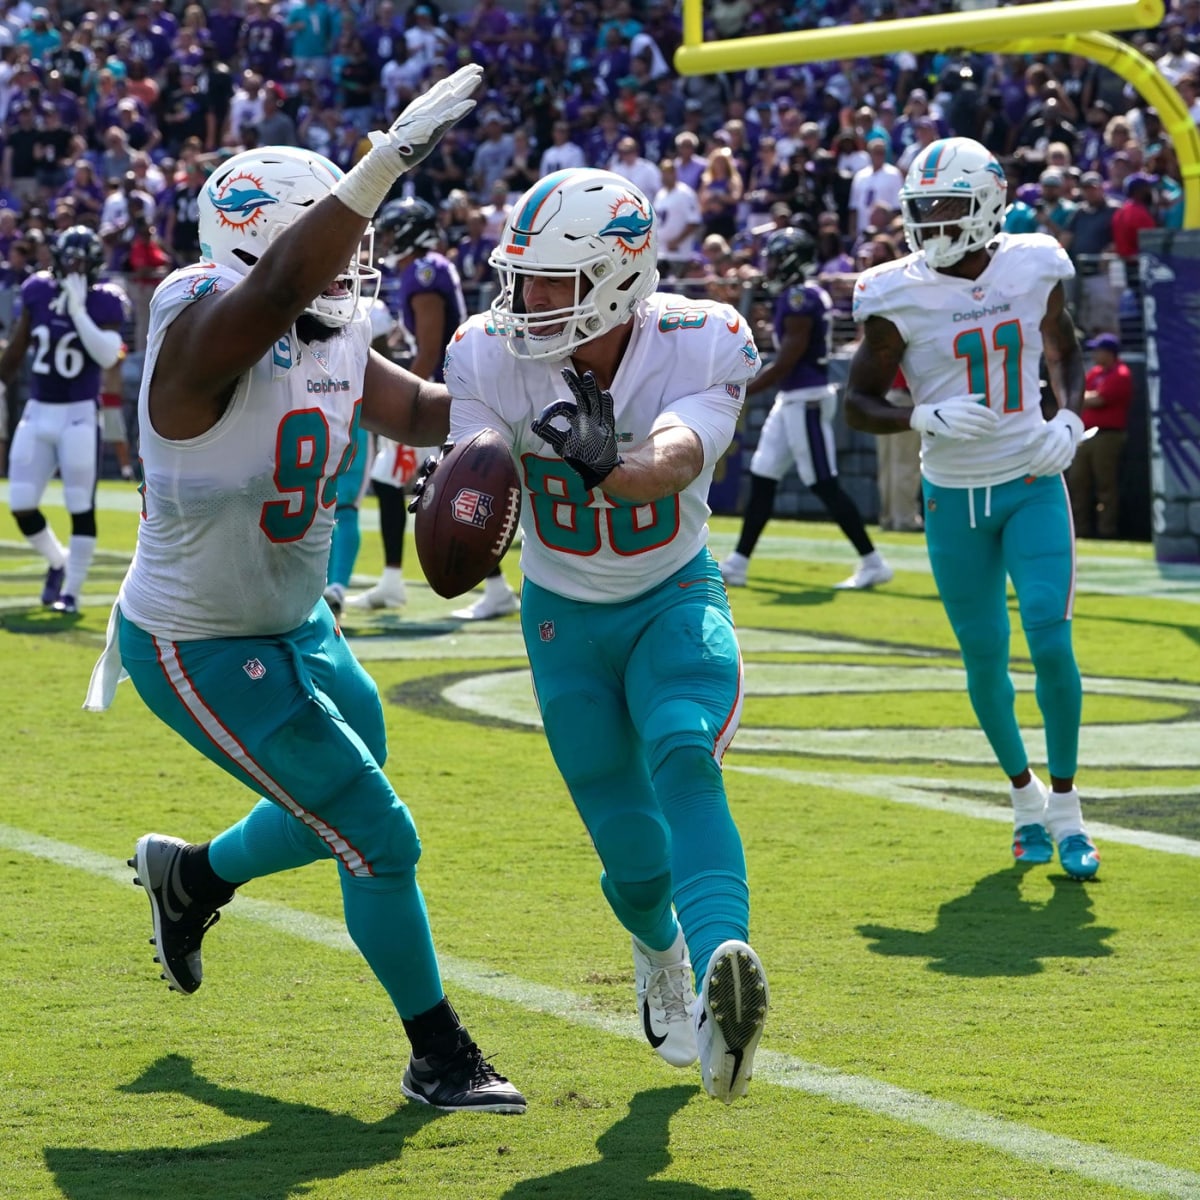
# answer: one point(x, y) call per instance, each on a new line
point(366, 185)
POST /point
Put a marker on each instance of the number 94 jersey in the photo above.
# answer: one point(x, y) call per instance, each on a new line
point(973, 335)
point(686, 364)
point(61, 370)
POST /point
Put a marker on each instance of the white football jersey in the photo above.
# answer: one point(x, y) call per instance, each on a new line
point(236, 523)
point(973, 335)
point(687, 363)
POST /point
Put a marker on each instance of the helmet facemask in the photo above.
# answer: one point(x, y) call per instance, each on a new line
point(946, 227)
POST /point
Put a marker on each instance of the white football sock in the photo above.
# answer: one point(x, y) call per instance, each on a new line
point(734, 559)
point(1029, 803)
point(79, 560)
point(392, 579)
point(49, 547)
point(496, 587)
point(1064, 815)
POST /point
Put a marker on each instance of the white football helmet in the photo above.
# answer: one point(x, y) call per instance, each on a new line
point(953, 200)
point(587, 225)
point(252, 197)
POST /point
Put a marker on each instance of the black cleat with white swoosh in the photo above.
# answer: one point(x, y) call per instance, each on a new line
point(179, 924)
point(460, 1080)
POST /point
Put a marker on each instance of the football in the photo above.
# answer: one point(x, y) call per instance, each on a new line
point(468, 513)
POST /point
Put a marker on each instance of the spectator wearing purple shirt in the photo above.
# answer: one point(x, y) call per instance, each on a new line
point(383, 34)
point(264, 39)
point(66, 102)
point(225, 28)
point(612, 62)
point(471, 254)
point(145, 43)
point(601, 142)
point(688, 165)
point(84, 189)
point(489, 24)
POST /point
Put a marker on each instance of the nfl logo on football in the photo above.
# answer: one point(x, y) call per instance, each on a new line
point(472, 507)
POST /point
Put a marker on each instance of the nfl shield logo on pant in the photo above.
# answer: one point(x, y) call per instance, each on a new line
point(546, 631)
point(254, 669)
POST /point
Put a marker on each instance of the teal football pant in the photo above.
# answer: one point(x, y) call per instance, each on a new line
point(296, 718)
point(639, 701)
point(1022, 530)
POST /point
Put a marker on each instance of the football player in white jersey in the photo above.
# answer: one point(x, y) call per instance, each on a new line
point(258, 376)
point(969, 314)
point(617, 402)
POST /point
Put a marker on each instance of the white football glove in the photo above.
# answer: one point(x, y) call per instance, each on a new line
point(413, 134)
point(1053, 448)
point(960, 418)
point(75, 289)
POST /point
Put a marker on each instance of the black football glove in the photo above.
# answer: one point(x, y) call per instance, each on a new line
point(427, 469)
point(588, 445)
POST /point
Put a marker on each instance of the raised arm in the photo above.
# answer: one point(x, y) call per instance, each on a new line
point(220, 336)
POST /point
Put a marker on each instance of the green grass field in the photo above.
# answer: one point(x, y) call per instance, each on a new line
point(943, 1024)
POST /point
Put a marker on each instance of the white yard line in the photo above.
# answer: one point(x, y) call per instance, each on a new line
point(952, 1122)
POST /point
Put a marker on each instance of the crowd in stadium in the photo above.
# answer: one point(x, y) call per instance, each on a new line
point(114, 117)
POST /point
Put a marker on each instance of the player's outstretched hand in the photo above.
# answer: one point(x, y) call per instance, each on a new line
point(75, 289)
point(588, 443)
point(960, 418)
point(1056, 442)
point(418, 128)
point(427, 469)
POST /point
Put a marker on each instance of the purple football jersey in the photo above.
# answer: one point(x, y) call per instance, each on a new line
point(61, 370)
point(433, 273)
point(806, 300)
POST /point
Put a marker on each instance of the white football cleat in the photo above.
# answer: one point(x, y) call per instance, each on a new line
point(666, 1001)
point(733, 570)
point(867, 576)
point(489, 606)
point(729, 1020)
point(379, 597)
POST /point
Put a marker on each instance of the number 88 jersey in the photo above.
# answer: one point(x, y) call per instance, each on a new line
point(973, 335)
point(686, 364)
point(61, 370)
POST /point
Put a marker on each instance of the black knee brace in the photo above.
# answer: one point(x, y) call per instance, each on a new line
point(30, 523)
point(83, 524)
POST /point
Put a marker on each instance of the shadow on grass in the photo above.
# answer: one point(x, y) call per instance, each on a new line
point(298, 1145)
point(632, 1151)
point(993, 930)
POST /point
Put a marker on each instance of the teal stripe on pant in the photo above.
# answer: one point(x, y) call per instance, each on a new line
point(638, 699)
point(296, 718)
point(978, 538)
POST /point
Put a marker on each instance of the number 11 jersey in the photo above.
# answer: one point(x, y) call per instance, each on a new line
point(973, 335)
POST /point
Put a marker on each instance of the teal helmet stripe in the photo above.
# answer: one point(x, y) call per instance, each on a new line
point(930, 169)
point(522, 223)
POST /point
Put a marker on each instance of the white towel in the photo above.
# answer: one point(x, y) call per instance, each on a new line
point(107, 672)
